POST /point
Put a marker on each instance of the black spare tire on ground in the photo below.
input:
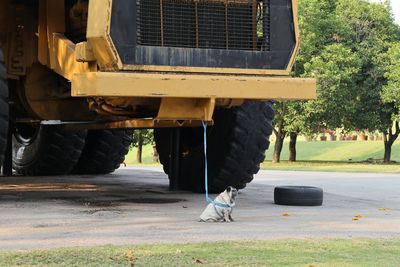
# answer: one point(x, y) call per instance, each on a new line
point(104, 151)
point(236, 146)
point(4, 109)
point(46, 150)
point(298, 196)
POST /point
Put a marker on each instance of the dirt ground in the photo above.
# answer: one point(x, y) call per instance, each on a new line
point(134, 206)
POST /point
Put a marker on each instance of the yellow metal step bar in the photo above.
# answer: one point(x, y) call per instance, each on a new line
point(122, 84)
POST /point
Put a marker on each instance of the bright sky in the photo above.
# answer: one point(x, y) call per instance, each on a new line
point(395, 8)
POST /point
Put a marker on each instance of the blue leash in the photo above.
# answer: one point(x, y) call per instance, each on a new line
point(209, 200)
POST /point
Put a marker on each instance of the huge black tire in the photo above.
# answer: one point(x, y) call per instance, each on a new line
point(298, 196)
point(104, 151)
point(46, 150)
point(4, 109)
point(236, 146)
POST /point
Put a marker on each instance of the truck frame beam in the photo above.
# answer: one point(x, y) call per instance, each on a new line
point(121, 84)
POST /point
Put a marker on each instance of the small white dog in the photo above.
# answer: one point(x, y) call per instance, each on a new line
point(221, 209)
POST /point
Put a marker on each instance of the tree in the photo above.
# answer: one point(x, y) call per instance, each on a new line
point(372, 32)
point(319, 27)
point(294, 126)
point(391, 96)
point(335, 70)
point(391, 91)
point(342, 46)
point(279, 130)
point(296, 117)
point(141, 137)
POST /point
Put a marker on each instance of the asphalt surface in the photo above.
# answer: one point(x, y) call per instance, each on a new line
point(134, 206)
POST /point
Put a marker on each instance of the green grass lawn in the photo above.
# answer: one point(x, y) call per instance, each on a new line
point(331, 166)
point(345, 156)
point(326, 252)
point(319, 156)
point(147, 157)
point(338, 151)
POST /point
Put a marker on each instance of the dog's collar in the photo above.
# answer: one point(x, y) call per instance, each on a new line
point(221, 205)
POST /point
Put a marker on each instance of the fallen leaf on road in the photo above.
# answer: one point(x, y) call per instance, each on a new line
point(357, 217)
point(383, 209)
point(130, 257)
point(198, 261)
point(285, 214)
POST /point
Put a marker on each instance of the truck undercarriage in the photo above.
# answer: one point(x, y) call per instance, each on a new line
point(81, 73)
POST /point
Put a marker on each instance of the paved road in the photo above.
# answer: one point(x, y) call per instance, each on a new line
point(134, 206)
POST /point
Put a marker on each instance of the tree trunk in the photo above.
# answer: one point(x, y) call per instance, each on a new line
point(280, 137)
point(139, 148)
point(156, 156)
point(388, 152)
point(389, 138)
point(292, 147)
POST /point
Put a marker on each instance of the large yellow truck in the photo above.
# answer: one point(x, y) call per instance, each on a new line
point(76, 76)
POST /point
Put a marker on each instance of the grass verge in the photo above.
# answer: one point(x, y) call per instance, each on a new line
point(337, 151)
point(350, 252)
point(341, 151)
point(327, 166)
point(340, 156)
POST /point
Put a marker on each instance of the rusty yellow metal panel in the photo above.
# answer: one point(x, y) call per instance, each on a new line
point(55, 24)
point(191, 86)
point(186, 109)
point(84, 52)
point(64, 58)
point(138, 124)
point(54, 49)
point(295, 7)
point(98, 35)
point(233, 71)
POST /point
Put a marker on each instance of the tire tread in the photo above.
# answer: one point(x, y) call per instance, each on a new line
point(58, 152)
point(235, 150)
point(104, 151)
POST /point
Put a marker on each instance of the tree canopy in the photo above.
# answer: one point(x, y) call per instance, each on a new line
point(352, 48)
point(391, 91)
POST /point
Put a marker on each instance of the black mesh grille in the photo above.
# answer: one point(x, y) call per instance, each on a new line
point(212, 24)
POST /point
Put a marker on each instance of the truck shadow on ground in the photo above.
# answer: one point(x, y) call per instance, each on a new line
point(100, 191)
